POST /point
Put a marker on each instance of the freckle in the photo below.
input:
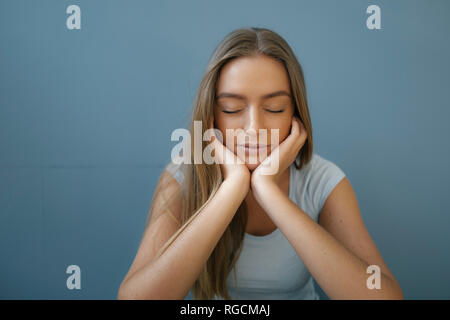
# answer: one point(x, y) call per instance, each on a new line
point(340, 220)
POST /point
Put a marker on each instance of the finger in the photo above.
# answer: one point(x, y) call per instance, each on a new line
point(301, 125)
point(211, 122)
point(303, 134)
point(294, 129)
point(295, 124)
point(293, 140)
point(211, 134)
point(301, 128)
point(218, 150)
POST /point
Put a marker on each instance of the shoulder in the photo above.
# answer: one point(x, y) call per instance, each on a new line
point(176, 171)
point(324, 168)
point(167, 196)
point(326, 175)
point(317, 179)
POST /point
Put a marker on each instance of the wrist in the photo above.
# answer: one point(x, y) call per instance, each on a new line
point(264, 190)
point(260, 181)
point(240, 182)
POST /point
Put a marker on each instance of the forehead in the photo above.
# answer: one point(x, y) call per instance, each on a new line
point(253, 76)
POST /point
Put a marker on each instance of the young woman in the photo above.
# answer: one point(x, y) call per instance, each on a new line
point(277, 231)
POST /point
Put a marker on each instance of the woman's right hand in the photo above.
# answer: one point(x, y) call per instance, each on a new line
point(231, 165)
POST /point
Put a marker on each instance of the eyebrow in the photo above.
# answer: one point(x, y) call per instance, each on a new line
point(266, 96)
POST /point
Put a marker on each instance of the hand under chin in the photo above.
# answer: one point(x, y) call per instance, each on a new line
point(252, 161)
point(252, 165)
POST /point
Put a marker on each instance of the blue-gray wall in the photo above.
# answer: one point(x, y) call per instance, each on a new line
point(86, 117)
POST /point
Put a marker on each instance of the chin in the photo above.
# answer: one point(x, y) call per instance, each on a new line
point(253, 163)
point(252, 166)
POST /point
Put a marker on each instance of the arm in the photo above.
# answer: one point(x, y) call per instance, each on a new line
point(172, 275)
point(340, 271)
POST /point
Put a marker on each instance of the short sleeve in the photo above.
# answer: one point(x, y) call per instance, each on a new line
point(176, 172)
point(326, 175)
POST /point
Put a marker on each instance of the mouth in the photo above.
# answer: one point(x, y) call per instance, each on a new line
point(253, 150)
point(253, 146)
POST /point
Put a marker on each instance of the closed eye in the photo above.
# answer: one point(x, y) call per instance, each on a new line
point(226, 111)
point(271, 111)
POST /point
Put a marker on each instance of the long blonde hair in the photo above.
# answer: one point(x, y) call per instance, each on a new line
point(201, 181)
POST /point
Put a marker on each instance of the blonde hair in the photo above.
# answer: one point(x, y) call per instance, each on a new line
point(201, 181)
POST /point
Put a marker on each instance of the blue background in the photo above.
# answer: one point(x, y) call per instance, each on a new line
point(86, 117)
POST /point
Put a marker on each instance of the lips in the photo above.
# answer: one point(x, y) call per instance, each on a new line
point(253, 150)
point(253, 146)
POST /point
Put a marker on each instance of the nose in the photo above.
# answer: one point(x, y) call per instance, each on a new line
point(253, 125)
point(254, 120)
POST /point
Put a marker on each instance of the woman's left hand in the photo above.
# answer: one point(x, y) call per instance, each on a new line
point(270, 170)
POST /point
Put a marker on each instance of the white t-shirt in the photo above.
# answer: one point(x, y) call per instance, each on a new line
point(268, 266)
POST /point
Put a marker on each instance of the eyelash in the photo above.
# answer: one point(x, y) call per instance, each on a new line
point(228, 112)
point(271, 111)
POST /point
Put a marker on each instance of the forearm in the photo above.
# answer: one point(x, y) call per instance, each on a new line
point(175, 271)
point(339, 272)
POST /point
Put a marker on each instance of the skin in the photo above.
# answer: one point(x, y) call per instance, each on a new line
point(338, 250)
point(252, 78)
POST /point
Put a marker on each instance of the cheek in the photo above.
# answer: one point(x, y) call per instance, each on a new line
point(223, 124)
point(284, 129)
point(284, 132)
